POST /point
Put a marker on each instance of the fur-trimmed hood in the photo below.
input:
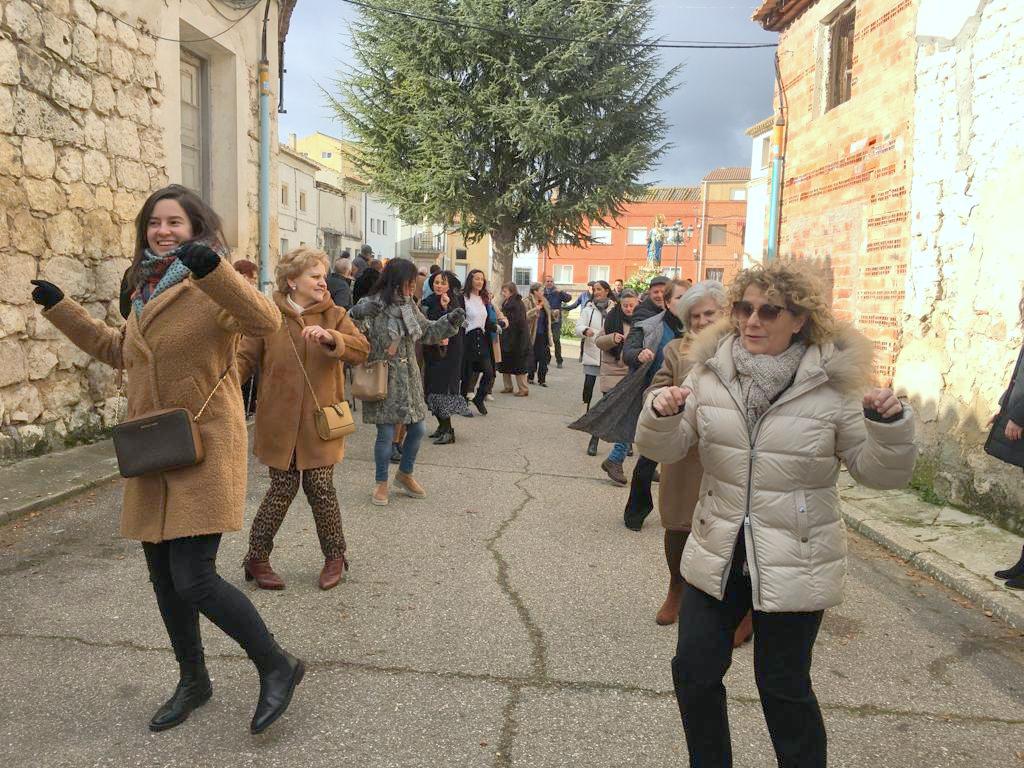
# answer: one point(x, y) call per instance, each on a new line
point(846, 357)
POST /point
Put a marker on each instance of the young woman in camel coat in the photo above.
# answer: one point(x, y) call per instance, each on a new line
point(188, 310)
point(323, 337)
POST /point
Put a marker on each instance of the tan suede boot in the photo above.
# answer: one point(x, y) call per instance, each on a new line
point(380, 495)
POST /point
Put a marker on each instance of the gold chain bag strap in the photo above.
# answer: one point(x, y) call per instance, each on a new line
point(161, 441)
point(333, 422)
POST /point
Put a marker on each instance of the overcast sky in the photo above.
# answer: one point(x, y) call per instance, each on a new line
point(720, 95)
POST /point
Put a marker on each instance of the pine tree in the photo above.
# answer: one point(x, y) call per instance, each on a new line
point(489, 124)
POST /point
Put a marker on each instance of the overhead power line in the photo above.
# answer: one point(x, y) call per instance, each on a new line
point(688, 44)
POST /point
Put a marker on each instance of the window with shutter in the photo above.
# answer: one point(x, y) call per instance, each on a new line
point(840, 69)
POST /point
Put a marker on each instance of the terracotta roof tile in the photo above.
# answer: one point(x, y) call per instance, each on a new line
point(669, 195)
point(729, 174)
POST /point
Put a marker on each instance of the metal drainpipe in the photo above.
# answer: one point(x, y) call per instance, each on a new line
point(703, 234)
point(264, 170)
point(775, 209)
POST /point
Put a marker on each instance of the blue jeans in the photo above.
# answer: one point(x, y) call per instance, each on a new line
point(382, 448)
point(618, 453)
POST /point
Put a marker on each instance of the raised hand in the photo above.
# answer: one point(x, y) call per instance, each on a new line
point(645, 356)
point(200, 259)
point(457, 317)
point(884, 402)
point(319, 335)
point(670, 400)
point(46, 295)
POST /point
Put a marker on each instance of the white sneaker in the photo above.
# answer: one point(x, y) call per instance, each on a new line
point(489, 397)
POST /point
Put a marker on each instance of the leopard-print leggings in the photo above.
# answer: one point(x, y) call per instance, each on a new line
point(318, 485)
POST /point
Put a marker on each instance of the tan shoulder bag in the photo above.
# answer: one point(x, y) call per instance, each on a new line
point(333, 421)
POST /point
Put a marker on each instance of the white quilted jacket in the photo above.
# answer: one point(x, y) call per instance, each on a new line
point(780, 483)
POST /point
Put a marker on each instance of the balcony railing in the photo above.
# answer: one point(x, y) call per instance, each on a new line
point(425, 241)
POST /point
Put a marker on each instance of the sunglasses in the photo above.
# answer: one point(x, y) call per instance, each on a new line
point(767, 313)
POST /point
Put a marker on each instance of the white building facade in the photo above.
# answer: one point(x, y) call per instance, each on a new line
point(297, 201)
point(755, 240)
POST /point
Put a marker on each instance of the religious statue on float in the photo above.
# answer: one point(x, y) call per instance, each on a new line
point(655, 241)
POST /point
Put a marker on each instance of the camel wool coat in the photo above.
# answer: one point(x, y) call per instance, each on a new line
point(779, 483)
point(174, 355)
point(680, 480)
point(285, 410)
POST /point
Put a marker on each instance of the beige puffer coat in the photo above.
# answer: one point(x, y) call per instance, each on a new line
point(780, 483)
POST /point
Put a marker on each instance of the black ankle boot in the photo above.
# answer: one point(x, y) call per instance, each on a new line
point(194, 689)
point(1014, 571)
point(446, 438)
point(592, 448)
point(280, 674)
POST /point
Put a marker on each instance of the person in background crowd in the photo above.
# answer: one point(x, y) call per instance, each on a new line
point(1012, 404)
point(250, 387)
point(538, 313)
point(515, 340)
point(393, 324)
point(614, 369)
point(477, 357)
point(617, 287)
point(654, 301)
point(361, 262)
point(646, 343)
point(339, 283)
point(698, 308)
point(434, 269)
point(589, 326)
point(366, 282)
point(582, 300)
point(777, 398)
point(442, 362)
point(556, 299)
point(304, 363)
point(189, 310)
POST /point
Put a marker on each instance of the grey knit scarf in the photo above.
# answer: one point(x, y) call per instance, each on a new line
point(403, 320)
point(764, 377)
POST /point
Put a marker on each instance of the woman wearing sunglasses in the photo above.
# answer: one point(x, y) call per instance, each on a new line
point(777, 398)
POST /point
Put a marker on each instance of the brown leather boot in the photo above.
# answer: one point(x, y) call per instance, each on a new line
point(669, 611)
point(332, 572)
point(744, 631)
point(410, 486)
point(264, 575)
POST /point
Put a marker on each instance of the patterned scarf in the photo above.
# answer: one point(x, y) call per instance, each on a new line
point(156, 275)
point(403, 319)
point(764, 377)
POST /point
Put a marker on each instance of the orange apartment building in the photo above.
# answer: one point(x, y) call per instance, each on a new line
point(847, 96)
point(712, 221)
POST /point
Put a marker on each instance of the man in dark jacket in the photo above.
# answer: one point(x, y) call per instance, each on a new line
point(361, 287)
point(339, 284)
point(362, 261)
point(558, 300)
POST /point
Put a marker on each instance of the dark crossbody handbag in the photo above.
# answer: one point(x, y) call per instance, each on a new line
point(161, 441)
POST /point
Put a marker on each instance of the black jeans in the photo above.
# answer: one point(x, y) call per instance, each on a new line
point(782, 669)
point(640, 504)
point(185, 580)
point(556, 331)
point(589, 381)
point(541, 359)
point(477, 357)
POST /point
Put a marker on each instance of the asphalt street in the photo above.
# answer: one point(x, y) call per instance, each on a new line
point(506, 620)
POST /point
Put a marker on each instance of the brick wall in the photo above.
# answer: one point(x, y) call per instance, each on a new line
point(848, 170)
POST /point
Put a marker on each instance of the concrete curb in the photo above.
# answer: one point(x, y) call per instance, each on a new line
point(983, 593)
point(10, 514)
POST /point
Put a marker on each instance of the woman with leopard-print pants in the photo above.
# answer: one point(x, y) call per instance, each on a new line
point(302, 368)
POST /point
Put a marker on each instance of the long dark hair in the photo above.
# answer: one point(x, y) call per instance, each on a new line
point(604, 284)
point(206, 224)
point(393, 278)
point(468, 290)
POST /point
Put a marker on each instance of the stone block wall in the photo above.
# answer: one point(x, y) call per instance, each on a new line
point(80, 148)
point(847, 179)
point(962, 329)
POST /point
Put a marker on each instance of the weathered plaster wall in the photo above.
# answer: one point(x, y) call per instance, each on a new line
point(965, 274)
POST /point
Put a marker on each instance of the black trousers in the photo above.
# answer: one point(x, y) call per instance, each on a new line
point(477, 357)
point(185, 580)
point(640, 503)
point(589, 381)
point(782, 669)
point(541, 359)
point(556, 330)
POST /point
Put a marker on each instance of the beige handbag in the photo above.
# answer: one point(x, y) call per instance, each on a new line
point(370, 381)
point(335, 420)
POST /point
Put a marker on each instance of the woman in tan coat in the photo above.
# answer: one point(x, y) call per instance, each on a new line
point(701, 306)
point(538, 315)
point(303, 371)
point(178, 348)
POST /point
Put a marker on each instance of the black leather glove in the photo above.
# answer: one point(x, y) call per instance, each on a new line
point(457, 317)
point(47, 295)
point(200, 259)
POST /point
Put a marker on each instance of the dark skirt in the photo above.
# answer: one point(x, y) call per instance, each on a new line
point(442, 367)
point(614, 417)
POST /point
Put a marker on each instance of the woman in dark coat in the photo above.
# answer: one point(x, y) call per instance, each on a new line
point(442, 362)
point(515, 341)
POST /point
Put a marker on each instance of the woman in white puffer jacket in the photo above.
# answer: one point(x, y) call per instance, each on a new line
point(588, 328)
point(778, 397)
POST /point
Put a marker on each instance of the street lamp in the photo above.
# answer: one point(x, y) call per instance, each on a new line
point(679, 233)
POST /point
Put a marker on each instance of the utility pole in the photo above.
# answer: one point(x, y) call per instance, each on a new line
point(264, 169)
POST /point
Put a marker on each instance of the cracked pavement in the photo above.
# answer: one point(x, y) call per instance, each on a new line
point(506, 620)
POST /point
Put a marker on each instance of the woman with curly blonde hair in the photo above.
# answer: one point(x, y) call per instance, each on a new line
point(778, 396)
point(302, 369)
